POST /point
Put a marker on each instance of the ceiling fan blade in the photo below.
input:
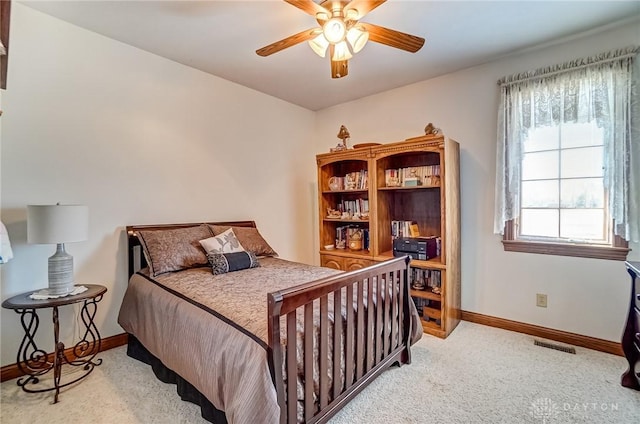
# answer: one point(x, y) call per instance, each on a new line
point(393, 38)
point(308, 6)
point(292, 40)
point(362, 6)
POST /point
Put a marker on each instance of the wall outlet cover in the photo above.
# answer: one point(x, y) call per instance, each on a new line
point(541, 300)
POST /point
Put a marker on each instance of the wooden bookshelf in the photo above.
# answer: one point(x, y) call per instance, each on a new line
point(433, 205)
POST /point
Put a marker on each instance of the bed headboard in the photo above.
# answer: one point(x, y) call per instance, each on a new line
point(137, 260)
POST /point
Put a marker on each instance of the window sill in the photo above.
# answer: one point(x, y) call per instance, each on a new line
point(562, 249)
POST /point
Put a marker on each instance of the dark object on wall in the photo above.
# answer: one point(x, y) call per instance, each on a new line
point(5, 16)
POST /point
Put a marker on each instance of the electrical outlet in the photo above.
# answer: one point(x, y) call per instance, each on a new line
point(541, 300)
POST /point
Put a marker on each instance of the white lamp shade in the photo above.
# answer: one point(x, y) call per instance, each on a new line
point(357, 37)
point(319, 45)
point(341, 52)
point(334, 30)
point(53, 224)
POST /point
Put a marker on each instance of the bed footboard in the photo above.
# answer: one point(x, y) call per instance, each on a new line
point(373, 334)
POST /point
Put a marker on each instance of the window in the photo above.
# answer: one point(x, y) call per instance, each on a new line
point(564, 180)
point(562, 185)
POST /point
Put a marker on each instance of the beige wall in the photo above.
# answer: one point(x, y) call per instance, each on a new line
point(139, 139)
point(585, 296)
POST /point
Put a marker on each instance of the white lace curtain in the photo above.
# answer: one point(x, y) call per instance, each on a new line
point(600, 88)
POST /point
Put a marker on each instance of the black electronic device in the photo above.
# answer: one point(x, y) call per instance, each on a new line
point(421, 248)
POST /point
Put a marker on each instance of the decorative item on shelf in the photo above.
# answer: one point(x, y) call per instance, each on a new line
point(393, 182)
point(361, 145)
point(364, 215)
point(335, 183)
point(333, 213)
point(418, 284)
point(58, 224)
point(341, 244)
point(431, 130)
point(413, 180)
point(350, 182)
point(355, 240)
point(343, 135)
point(432, 180)
point(329, 246)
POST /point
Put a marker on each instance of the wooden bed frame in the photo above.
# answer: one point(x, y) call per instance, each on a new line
point(376, 335)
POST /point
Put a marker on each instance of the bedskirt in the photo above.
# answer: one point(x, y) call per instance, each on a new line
point(186, 390)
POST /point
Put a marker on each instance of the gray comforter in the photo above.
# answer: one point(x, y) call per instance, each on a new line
point(212, 330)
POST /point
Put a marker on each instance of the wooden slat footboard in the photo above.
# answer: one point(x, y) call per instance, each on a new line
point(372, 334)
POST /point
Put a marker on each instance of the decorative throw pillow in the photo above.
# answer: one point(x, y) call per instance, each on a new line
point(249, 237)
point(225, 242)
point(221, 263)
point(175, 249)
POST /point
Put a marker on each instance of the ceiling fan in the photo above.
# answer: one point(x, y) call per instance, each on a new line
point(342, 33)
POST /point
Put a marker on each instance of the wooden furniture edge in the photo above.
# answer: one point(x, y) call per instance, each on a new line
point(588, 342)
point(374, 352)
point(5, 21)
point(11, 371)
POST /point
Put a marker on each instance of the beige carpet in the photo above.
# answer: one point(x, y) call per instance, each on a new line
point(477, 375)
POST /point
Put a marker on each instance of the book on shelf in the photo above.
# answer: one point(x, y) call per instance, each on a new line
point(358, 180)
point(411, 176)
point(404, 229)
point(414, 230)
point(358, 206)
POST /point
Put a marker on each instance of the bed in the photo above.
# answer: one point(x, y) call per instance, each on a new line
point(232, 342)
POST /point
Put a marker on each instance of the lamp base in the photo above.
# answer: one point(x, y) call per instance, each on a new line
point(61, 280)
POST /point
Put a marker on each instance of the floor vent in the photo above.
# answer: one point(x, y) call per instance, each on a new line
point(566, 349)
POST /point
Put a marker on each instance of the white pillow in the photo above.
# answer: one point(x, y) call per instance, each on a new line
point(225, 242)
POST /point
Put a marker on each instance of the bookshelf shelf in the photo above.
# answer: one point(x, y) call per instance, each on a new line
point(425, 294)
point(345, 191)
point(347, 253)
point(432, 313)
point(434, 206)
point(354, 221)
point(423, 187)
point(431, 327)
point(433, 263)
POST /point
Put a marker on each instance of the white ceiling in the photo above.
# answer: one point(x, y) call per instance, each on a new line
point(221, 37)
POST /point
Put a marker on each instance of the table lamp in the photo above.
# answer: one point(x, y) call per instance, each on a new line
point(58, 224)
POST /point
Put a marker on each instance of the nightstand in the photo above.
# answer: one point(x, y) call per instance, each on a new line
point(33, 361)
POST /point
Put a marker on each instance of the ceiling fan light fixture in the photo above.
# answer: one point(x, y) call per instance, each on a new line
point(341, 52)
point(352, 14)
point(319, 45)
point(334, 30)
point(357, 37)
